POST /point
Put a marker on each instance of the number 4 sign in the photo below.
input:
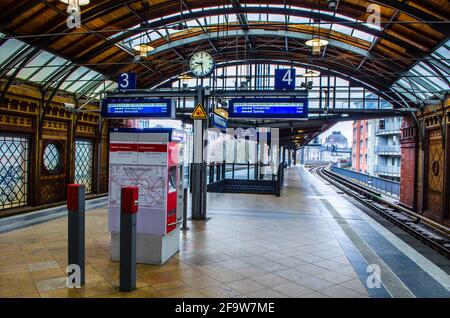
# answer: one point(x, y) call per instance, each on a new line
point(127, 81)
point(285, 78)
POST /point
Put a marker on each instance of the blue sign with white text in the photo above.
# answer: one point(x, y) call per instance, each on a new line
point(285, 78)
point(219, 121)
point(127, 81)
point(136, 107)
point(295, 108)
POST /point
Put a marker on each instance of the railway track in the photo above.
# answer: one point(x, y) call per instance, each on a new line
point(431, 233)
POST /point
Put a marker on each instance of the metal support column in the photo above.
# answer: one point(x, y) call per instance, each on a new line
point(184, 226)
point(289, 156)
point(198, 203)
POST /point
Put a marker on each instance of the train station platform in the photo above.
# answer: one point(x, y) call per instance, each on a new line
point(309, 242)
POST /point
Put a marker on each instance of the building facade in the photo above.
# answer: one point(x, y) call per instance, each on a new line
point(376, 147)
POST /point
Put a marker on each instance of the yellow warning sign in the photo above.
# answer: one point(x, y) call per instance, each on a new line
point(199, 112)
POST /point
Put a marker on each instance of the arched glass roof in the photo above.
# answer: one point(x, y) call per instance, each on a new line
point(43, 66)
point(405, 57)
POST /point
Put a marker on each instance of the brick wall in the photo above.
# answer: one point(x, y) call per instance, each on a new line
point(408, 162)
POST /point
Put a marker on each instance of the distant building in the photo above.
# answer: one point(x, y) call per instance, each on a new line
point(336, 139)
point(335, 149)
point(376, 147)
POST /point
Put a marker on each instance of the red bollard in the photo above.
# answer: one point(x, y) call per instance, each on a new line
point(128, 213)
point(76, 228)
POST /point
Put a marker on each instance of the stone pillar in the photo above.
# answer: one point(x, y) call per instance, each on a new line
point(408, 145)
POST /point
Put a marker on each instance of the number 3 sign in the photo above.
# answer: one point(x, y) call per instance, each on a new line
point(127, 81)
point(285, 78)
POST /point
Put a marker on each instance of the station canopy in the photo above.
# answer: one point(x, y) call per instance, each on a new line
point(404, 58)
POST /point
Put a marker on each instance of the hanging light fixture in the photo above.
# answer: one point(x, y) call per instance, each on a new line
point(316, 44)
point(143, 49)
point(311, 73)
point(76, 2)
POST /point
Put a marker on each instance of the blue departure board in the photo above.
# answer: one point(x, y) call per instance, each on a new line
point(294, 108)
point(119, 107)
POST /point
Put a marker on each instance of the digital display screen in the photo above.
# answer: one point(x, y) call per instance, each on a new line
point(136, 108)
point(294, 108)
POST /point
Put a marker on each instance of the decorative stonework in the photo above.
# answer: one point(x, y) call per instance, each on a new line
point(85, 129)
point(55, 125)
point(16, 121)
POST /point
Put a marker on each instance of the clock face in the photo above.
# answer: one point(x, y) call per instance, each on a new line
point(201, 64)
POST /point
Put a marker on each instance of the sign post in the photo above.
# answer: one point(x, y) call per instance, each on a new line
point(198, 166)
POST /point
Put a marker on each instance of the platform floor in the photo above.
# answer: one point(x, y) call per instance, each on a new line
point(310, 242)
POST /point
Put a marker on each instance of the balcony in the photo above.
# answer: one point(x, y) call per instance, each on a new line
point(388, 150)
point(386, 170)
point(389, 129)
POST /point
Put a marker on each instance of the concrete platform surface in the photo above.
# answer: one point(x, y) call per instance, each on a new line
point(310, 242)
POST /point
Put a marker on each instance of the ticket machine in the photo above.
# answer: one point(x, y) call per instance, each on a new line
point(152, 160)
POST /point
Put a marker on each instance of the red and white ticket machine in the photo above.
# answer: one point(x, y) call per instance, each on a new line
point(152, 160)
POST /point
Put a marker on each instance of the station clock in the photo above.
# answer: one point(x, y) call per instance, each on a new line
point(201, 64)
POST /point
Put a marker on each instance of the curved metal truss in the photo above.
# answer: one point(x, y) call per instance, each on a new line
point(404, 58)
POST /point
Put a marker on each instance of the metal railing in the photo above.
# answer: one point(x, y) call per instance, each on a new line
point(383, 185)
point(385, 169)
point(389, 129)
point(218, 171)
point(387, 149)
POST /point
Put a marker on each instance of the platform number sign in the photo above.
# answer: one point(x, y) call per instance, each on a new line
point(127, 81)
point(285, 78)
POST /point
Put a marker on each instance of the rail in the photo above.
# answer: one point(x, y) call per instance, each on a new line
point(403, 217)
point(385, 186)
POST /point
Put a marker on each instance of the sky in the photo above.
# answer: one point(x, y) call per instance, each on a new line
point(344, 127)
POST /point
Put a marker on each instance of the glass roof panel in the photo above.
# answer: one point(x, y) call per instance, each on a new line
point(104, 87)
point(429, 75)
point(35, 64)
point(49, 69)
point(73, 78)
point(251, 17)
point(342, 29)
point(10, 48)
point(444, 50)
point(82, 81)
point(363, 35)
point(421, 81)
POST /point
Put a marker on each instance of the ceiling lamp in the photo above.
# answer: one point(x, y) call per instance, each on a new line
point(76, 2)
point(332, 4)
point(184, 77)
point(316, 44)
point(143, 49)
point(311, 73)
